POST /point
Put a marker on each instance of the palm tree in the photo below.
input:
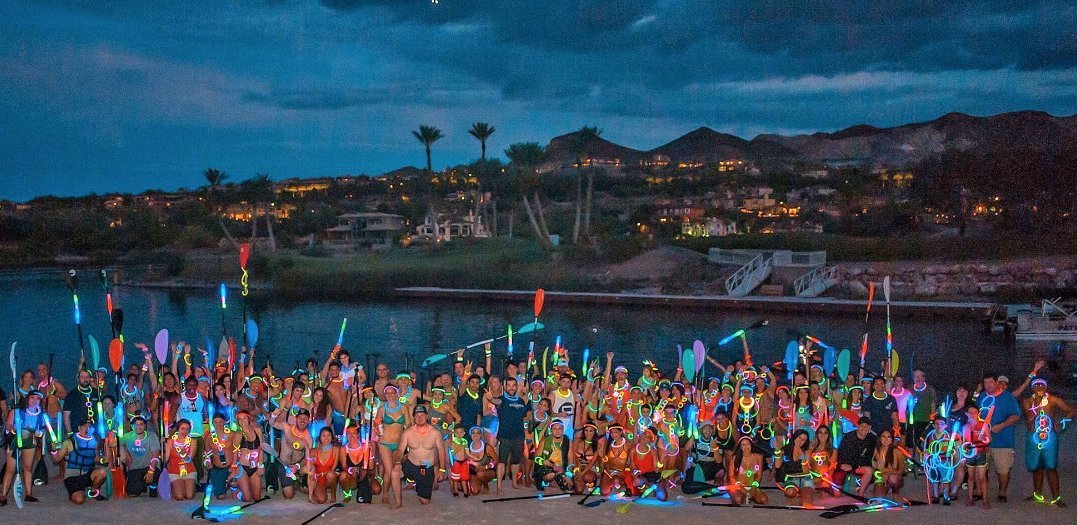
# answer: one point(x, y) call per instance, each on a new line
point(428, 135)
point(215, 178)
point(525, 158)
point(590, 136)
point(482, 132)
point(259, 190)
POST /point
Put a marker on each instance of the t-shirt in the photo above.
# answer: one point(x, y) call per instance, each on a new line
point(881, 412)
point(856, 452)
point(925, 404)
point(901, 398)
point(75, 403)
point(469, 408)
point(141, 450)
point(1005, 407)
point(510, 417)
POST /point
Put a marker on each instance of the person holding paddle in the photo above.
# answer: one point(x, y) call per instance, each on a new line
point(28, 426)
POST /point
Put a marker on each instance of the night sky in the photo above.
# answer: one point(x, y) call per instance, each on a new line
point(118, 95)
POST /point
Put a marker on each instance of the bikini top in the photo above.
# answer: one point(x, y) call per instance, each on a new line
point(390, 420)
point(250, 444)
point(620, 452)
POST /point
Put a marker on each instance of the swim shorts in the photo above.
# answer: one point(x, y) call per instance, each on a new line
point(510, 451)
point(1001, 458)
point(422, 476)
point(1041, 452)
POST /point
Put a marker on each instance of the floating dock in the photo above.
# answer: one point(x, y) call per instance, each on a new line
point(818, 305)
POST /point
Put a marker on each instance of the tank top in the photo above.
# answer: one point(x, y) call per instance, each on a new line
point(704, 451)
point(566, 404)
point(643, 462)
point(181, 461)
point(193, 411)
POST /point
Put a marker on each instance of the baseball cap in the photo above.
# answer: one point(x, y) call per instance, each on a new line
point(864, 420)
point(419, 409)
point(1003, 379)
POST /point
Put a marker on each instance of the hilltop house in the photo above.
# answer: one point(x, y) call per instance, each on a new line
point(709, 227)
point(679, 210)
point(443, 228)
point(374, 229)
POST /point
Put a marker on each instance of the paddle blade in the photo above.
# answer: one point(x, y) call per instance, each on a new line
point(160, 346)
point(688, 363)
point(433, 359)
point(11, 358)
point(886, 288)
point(95, 352)
point(117, 320)
point(222, 350)
point(830, 359)
point(244, 254)
point(231, 350)
point(252, 333)
point(695, 487)
point(895, 362)
point(540, 298)
point(164, 487)
point(792, 351)
point(211, 351)
point(699, 354)
point(530, 327)
point(871, 298)
point(843, 364)
point(115, 355)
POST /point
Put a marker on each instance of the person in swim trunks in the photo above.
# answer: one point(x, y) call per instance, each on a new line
point(355, 460)
point(1044, 416)
point(83, 459)
point(425, 462)
point(295, 443)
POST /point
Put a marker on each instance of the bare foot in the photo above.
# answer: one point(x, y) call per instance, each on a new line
point(970, 502)
point(986, 504)
point(397, 505)
point(498, 492)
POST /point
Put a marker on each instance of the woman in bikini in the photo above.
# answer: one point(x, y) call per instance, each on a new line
point(824, 458)
point(587, 450)
point(615, 472)
point(247, 442)
point(644, 461)
point(746, 473)
point(355, 462)
point(321, 411)
point(482, 460)
point(323, 469)
point(889, 466)
point(179, 459)
point(533, 433)
point(392, 417)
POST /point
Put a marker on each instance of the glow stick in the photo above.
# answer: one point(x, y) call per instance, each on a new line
point(340, 338)
point(224, 297)
point(731, 337)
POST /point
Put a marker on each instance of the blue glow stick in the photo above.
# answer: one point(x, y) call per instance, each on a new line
point(224, 296)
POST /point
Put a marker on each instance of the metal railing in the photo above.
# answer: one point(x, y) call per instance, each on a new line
point(749, 276)
point(816, 281)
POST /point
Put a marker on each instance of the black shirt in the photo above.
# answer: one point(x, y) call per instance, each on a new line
point(856, 452)
point(75, 403)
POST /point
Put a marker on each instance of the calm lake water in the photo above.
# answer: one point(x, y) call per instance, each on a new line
point(35, 310)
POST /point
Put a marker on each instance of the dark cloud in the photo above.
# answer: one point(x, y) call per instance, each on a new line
point(294, 86)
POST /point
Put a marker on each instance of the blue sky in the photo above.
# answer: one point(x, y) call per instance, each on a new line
point(127, 95)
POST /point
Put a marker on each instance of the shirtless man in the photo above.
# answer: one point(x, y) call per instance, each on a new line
point(426, 458)
point(295, 445)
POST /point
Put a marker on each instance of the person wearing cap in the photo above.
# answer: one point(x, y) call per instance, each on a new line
point(1044, 417)
point(421, 458)
point(28, 426)
point(1004, 420)
point(552, 457)
point(138, 449)
point(83, 458)
point(295, 445)
point(854, 455)
point(706, 454)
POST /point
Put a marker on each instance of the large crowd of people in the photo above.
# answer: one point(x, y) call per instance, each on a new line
point(329, 432)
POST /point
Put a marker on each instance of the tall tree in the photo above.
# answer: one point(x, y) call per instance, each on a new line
point(428, 135)
point(589, 136)
point(482, 132)
point(215, 178)
point(525, 158)
point(259, 191)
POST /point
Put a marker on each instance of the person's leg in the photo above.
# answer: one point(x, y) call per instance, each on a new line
point(331, 486)
point(395, 476)
point(1053, 482)
point(26, 462)
point(9, 475)
point(866, 474)
point(386, 457)
point(256, 486)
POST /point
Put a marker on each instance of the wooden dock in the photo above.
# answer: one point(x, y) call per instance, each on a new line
point(792, 305)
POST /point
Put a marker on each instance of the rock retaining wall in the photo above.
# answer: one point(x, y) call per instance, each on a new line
point(923, 279)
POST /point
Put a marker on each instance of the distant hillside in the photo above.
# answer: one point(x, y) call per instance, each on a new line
point(910, 143)
point(895, 146)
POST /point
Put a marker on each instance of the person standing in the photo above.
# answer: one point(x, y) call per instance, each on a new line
point(880, 407)
point(512, 411)
point(924, 401)
point(1043, 416)
point(1004, 418)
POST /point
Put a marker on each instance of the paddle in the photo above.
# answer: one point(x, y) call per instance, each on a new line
point(830, 360)
point(18, 487)
point(525, 329)
point(252, 333)
point(695, 487)
point(323, 512)
point(160, 346)
point(688, 364)
point(117, 322)
point(115, 358)
point(537, 496)
point(744, 339)
point(843, 365)
point(889, 332)
point(95, 352)
point(624, 508)
point(115, 355)
point(792, 352)
point(699, 354)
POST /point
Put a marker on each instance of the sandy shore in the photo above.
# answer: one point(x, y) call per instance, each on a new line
point(54, 509)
